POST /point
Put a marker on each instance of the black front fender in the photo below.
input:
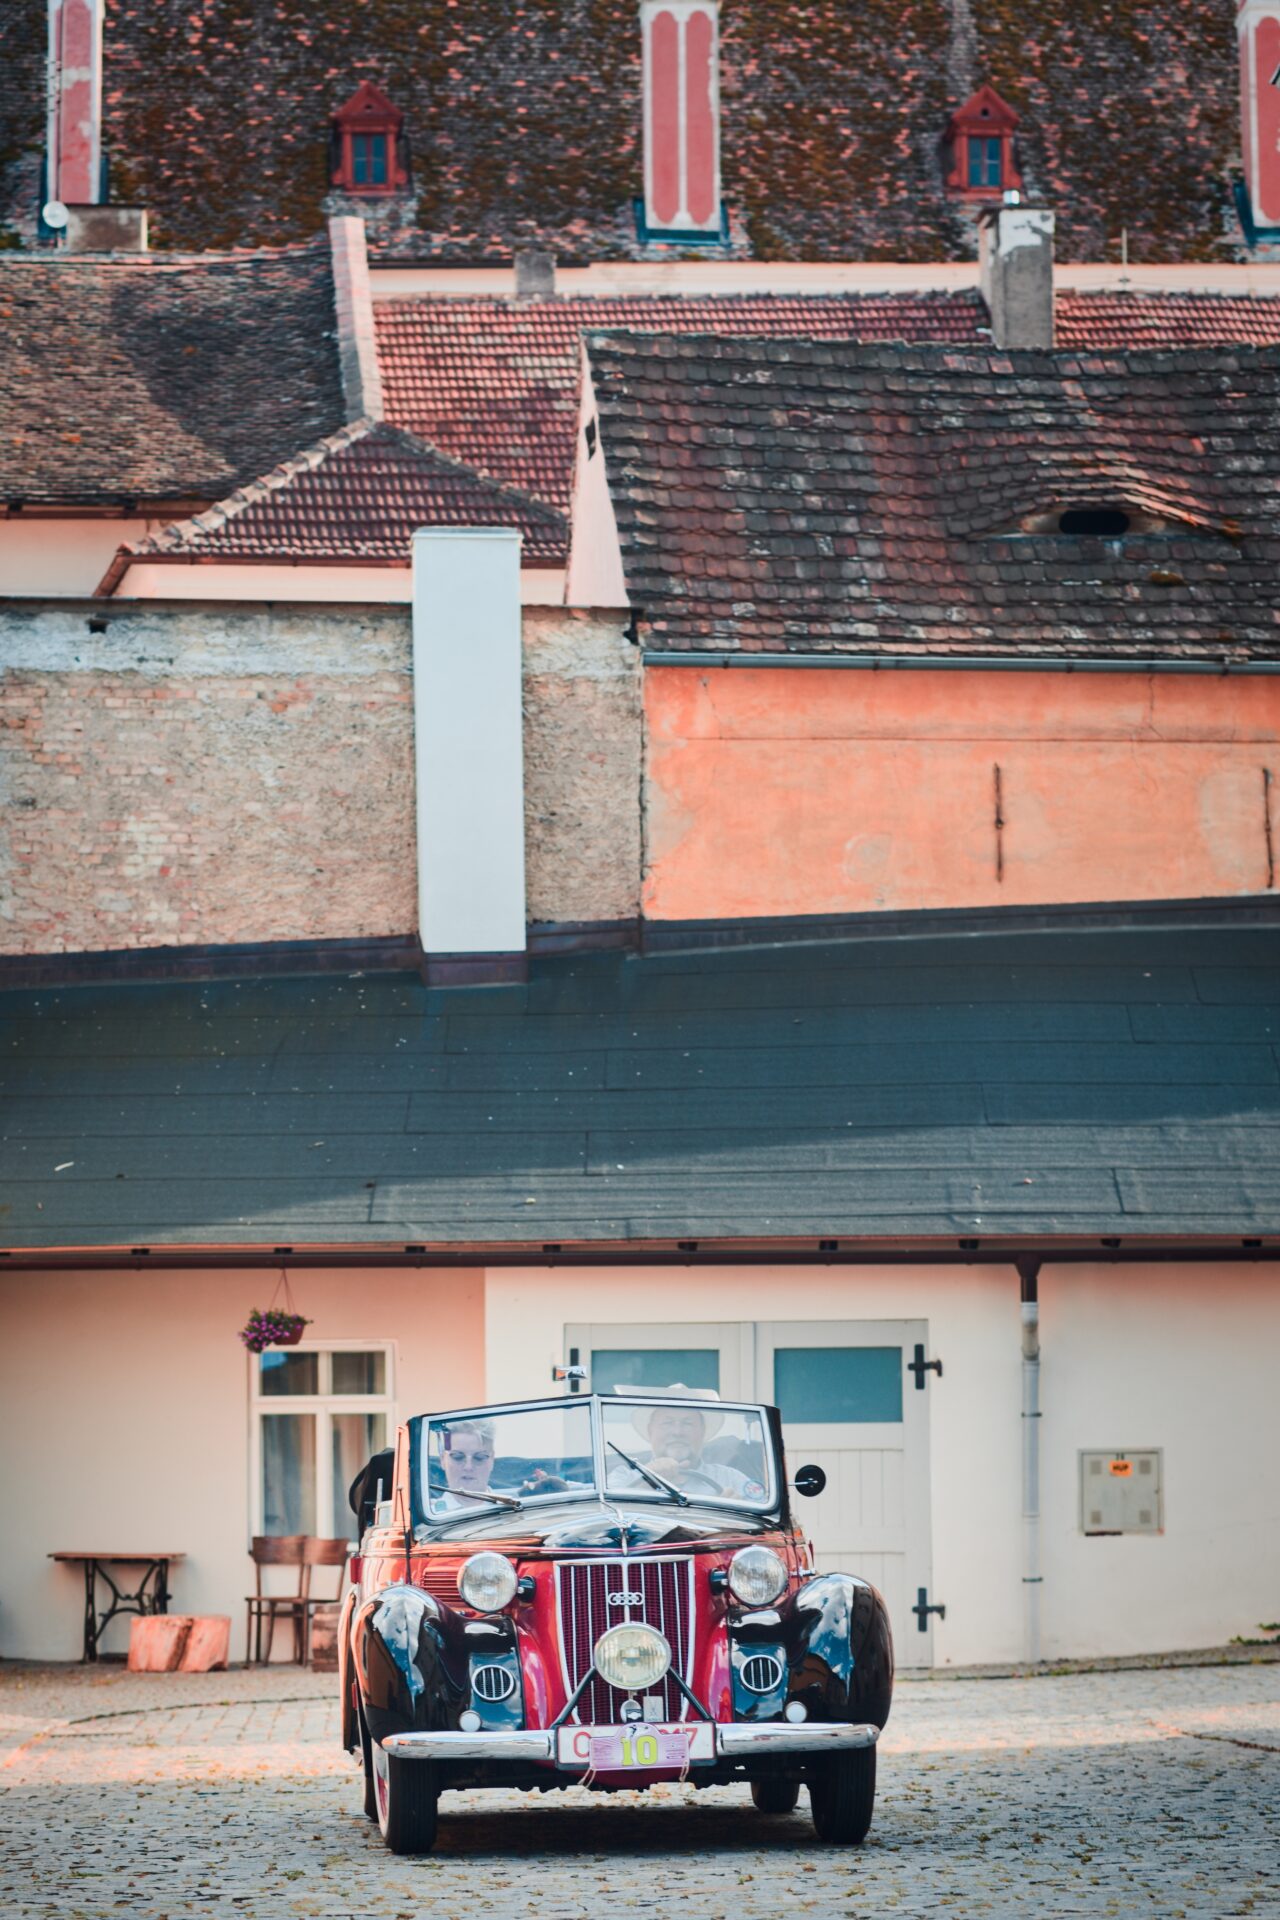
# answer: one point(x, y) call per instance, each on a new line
point(840, 1650)
point(410, 1679)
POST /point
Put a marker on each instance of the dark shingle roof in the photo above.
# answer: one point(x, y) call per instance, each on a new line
point(524, 120)
point(1118, 1082)
point(357, 497)
point(776, 495)
point(497, 385)
point(140, 379)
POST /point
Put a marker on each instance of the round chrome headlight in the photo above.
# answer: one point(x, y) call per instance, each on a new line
point(487, 1582)
point(757, 1576)
point(632, 1657)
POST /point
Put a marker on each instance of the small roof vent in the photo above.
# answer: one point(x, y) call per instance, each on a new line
point(1105, 523)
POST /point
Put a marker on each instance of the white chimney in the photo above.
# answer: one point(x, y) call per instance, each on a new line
point(1015, 256)
point(469, 750)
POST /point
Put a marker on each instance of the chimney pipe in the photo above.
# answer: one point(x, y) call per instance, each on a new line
point(1016, 274)
point(535, 275)
point(469, 750)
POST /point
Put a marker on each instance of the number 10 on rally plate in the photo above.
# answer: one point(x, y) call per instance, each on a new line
point(639, 1749)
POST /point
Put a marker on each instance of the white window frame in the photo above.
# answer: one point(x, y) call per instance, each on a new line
point(322, 1406)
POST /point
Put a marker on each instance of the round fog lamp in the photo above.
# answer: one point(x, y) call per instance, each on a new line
point(632, 1657)
point(487, 1582)
point(470, 1721)
point(795, 1711)
point(757, 1576)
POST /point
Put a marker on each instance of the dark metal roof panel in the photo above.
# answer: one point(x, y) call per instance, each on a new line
point(1120, 1083)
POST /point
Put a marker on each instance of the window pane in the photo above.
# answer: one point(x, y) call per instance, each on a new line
point(284, 1372)
point(378, 159)
point(845, 1385)
point(355, 1438)
point(993, 163)
point(359, 1373)
point(360, 158)
point(613, 1367)
point(288, 1473)
point(975, 161)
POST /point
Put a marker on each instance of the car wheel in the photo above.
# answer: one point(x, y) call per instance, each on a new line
point(775, 1796)
point(407, 1801)
point(842, 1797)
point(366, 1755)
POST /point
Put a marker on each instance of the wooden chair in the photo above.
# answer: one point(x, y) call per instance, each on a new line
point(319, 1553)
point(277, 1550)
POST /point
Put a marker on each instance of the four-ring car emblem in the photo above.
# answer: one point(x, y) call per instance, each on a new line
point(624, 1599)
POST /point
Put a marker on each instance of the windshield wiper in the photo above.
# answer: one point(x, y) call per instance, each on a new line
point(493, 1499)
point(654, 1479)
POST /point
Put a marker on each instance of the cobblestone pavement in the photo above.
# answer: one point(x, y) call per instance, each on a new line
point(1129, 1794)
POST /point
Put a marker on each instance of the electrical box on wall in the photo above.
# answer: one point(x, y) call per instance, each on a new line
point(1121, 1492)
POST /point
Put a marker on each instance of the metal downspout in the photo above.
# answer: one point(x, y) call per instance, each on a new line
point(1032, 1579)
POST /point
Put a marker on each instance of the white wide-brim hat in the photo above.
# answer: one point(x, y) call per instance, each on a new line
point(642, 1417)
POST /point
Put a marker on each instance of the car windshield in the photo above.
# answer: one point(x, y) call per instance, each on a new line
point(677, 1449)
point(496, 1458)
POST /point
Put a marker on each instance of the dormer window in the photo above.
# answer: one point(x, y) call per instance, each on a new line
point(369, 155)
point(978, 148)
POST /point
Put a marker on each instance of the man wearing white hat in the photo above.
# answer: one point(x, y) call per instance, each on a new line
point(677, 1437)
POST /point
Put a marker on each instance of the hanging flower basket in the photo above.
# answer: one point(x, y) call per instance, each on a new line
point(279, 1326)
point(274, 1328)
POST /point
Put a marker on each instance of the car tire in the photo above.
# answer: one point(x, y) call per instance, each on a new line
point(366, 1755)
point(775, 1796)
point(842, 1798)
point(408, 1800)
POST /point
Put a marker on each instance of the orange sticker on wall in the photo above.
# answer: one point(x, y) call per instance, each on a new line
point(1121, 1468)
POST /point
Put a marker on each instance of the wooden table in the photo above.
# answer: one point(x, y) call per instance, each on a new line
point(151, 1595)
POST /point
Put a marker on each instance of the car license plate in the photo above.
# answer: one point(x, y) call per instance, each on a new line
point(638, 1748)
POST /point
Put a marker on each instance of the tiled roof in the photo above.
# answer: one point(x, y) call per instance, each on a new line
point(803, 495)
point(1103, 320)
point(1115, 1083)
point(143, 381)
point(357, 497)
point(524, 120)
point(497, 384)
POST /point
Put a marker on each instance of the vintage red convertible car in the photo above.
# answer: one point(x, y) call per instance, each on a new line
point(605, 1591)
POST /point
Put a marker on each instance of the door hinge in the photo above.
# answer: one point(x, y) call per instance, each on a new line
point(920, 1366)
point(922, 1609)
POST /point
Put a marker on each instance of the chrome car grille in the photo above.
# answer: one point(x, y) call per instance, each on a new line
point(594, 1594)
point(761, 1673)
point(492, 1683)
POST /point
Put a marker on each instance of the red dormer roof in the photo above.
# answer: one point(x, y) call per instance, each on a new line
point(983, 118)
point(369, 111)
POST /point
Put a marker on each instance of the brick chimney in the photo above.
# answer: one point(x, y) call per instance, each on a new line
point(1016, 271)
point(681, 41)
point(1258, 27)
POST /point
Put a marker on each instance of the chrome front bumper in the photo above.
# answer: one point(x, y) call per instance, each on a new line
point(739, 1741)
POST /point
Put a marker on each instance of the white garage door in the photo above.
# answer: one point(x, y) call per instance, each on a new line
point(850, 1402)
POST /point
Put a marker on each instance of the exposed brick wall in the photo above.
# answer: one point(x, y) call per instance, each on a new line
point(582, 761)
point(208, 775)
point(194, 776)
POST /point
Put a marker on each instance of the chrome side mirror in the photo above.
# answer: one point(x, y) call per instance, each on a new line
point(809, 1481)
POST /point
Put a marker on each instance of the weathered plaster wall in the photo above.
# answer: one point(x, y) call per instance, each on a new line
point(582, 760)
point(124, 1397)
point(202, 774)
point(775, 791)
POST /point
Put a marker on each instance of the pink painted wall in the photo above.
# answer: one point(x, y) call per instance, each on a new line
point(775, 791)
point(124, 1419)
